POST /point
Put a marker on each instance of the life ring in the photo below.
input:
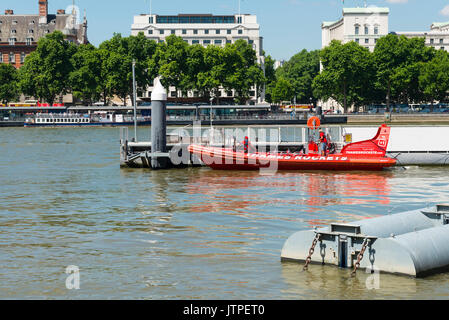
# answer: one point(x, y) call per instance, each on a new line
point(314, 123)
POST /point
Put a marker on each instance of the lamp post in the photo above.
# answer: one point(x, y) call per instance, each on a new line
point(135, 100)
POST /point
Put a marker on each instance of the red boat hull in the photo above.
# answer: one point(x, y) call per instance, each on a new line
point(226, 159)
point(363, 155)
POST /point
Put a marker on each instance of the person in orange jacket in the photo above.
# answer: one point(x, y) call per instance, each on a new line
point(323, 143)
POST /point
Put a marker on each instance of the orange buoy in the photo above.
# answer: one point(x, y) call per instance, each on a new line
point(314, 123)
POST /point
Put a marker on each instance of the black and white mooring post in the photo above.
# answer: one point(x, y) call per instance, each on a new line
point(135, 100)
point(158, 126)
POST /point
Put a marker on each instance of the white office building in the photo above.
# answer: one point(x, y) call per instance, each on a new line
point(437, 36)
point(362, 25)
point(203, 29)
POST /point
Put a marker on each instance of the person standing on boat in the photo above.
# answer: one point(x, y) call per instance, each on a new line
point(323, 143)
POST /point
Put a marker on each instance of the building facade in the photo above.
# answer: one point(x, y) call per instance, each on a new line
point(203, 29)
point(19, 33)
point(437, 36)
point(362, 25)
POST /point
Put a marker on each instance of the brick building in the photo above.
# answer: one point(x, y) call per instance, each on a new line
point(19, 33)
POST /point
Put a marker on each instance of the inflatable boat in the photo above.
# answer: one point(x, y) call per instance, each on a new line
point(364, 155)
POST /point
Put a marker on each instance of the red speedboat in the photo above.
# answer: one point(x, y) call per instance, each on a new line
point(363, 155)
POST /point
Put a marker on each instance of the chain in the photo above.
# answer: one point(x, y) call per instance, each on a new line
point(360, 256)
point(311, 251)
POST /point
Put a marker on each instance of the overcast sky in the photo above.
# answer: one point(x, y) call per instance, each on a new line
point(287, 26)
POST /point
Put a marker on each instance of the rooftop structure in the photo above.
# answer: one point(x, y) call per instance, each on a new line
point(362, 25)
point(19, 33)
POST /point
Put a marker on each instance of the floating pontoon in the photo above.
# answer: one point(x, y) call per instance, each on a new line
point(414, 243)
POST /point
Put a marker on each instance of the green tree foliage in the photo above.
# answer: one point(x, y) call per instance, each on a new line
point(45, 73)
point(119, 53)
point(8, 83)
point(242, 70)
point(301, 70)
point(434, 77)
point(398, 60)
point(347, 72)
point(282, 91)
point(85, 78)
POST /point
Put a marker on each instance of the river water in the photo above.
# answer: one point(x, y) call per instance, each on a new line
point(182, 234)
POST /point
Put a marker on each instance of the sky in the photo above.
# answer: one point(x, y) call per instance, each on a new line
point(287, 26)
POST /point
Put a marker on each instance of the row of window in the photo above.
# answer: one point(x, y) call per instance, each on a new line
point(432, 41)
point(357, 30)
point(12, 58)
point(195, 31)
point(366, 41)
point(30, 31)
point(32, 22)
point(64, 120)
point(195, 19)
point(220, 94)
point(12, 41)
point(208, 41)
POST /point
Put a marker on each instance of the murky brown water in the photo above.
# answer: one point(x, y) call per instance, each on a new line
point(182, 234)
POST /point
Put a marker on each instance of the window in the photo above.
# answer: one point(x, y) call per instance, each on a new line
point(1, 57)
point(14, 22)
point(431, 41)
point(195, 31)
point(29, 41)
point(32, 22)
point(229, 31)
point(173, 94)
point(173, 31)
point(366, 41)
point(151, 20)
point(195, 41)
point(12, 41)
point(357, 40)
point(184, 31)
point(31, 31)
point(240, 31)
point(357, 29)
point(13, 31)
point(22, 57)
point(12, 58)
point(206, 31)
point(441, 41)
point(366, 30)
point(376, 30)
point(206, 42)
point(150, 31)
point(442, 48)
point(251, 41)
point(218, 42)
point(239, 20)
point(162, 31)
point(217, 31)
point(228, 41)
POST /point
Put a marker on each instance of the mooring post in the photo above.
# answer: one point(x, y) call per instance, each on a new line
point(158, 125)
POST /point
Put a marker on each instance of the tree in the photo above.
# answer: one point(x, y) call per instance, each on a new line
point(85, 77)
point(283, 91)
point(397, 60)
point(301, 70)
point(241, 69)
point(9, 89)
point(346, 75)
point(434, 77)
point(45, 73)
point(120, 53)
point(172, 59)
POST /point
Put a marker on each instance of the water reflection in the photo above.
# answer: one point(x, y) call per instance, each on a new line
point(314, 191)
